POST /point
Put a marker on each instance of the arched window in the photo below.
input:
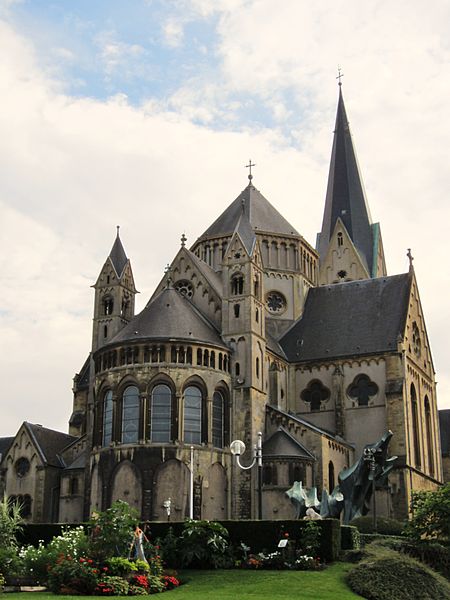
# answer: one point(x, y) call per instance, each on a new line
point(429, 435)
point(237, 284)
point(331, 480)
point(296, 473)
point(257, 367)
point(199, 356)
point(315, 394)
point(108, 305)
point(236, 309)
point(26, 506)
point(161, 414)
point(415, 425)
point(237, 369)
point(363, 389)
point(107, 418)
point(192, 427)
point(270, 475)
point(130, 415)
point(340, 239)
point(218, 410)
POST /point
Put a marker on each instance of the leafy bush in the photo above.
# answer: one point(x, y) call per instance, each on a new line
point(350, 538)
point(9, 561)
point(111, 531)
point(169, 548)
point(385, 526)
point(309, 539)
point(35, 561)
point(384, 574)
point(2, 583)
point(10, 523)
point(430, 514)
point(76, 576)
point(170, 582)
point(204, 544)
point(120, 566)
point(135, 590)
point(110, 585)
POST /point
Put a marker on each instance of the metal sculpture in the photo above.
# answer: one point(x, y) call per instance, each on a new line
point(355, 489)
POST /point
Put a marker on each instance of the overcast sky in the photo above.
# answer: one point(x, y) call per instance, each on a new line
point(144, 113)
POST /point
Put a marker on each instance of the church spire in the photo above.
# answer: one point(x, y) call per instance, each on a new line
point(346, 199)
point(117, 255)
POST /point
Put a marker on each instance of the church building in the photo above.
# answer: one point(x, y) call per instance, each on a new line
point(250, 330)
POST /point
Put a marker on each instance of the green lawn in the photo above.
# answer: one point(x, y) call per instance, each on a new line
point(240, 585)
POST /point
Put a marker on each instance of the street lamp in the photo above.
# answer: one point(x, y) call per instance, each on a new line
point(237, 447)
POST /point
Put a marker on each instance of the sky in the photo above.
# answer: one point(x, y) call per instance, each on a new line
point(143, 114)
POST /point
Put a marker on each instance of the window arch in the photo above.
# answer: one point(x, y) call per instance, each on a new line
point(107, 418)
point(130, 415)
point(237, 284)
point(108, 305)
point(331, 480)
point(192, 423)
point(315, 394)
point(362, 390)
point(429, 435)
point(415, 426)
point(161, 413)
point(218, 419)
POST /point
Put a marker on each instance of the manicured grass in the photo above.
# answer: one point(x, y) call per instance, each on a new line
point(241, 585)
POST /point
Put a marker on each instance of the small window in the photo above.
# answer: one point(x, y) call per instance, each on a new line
point(130, 415)
point(237, 369)
point(362, 389)
point(340, 239)
point(237, 285)
point(257, 315)
point(108, 305)
point(105, 331)
point(73, 486)
point(237, 309)
point(257, 367)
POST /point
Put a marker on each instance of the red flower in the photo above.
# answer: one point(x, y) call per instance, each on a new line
point(286, 535)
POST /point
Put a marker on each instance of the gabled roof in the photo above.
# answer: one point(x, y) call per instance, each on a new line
point(261, 215)
point(49, 443)
point(246, 233)
point(283, 445)
point(78, 463)
point(210, 275)
point(117, 255)
point(346, 198)
point(444, 426)
point(347, 319)
point(170, 316)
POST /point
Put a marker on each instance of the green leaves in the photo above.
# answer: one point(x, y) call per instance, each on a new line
point(430, 514)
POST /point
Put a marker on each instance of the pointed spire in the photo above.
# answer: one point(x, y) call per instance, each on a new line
point(117, 255)
point(346, 197)
point(410, 258)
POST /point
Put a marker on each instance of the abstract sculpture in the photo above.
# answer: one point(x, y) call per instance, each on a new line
point(355, 487)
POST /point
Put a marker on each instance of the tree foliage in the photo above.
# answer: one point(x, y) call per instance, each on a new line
point(10, 523)
point(431, 514)
point(111, 531)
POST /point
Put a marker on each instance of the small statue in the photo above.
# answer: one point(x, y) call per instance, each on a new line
point(312, 515)
point(137, 545)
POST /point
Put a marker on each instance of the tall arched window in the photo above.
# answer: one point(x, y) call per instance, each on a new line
point(130, 415)
point(218, 419)
point(192, 426)
point(161, 414)
point(415, 426)
point(429, 435)
point(107, 418)
point(237, 285)
point(331, 481)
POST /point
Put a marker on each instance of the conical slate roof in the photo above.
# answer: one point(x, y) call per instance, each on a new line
point(346, 197)
point(261, 215)
point(117, 255)
point(169, 316)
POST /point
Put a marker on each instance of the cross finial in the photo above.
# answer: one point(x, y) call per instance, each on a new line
point(183, 240)
point(249, 167)
point(411, 258)
point(118, 227)
point(340, 75)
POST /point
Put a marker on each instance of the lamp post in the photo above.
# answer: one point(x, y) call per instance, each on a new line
point(237, 447)
point(191, 485)
point(369, 457)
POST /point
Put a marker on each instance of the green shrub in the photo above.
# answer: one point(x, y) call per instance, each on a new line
point(169, 548)
point(384, 574)
point(308, 542)
point(111, 531)
point(2, 583)
point(204, 544)
point(35, 561)
point(136, 590)
point(10, 523)
point(430, 514)
point(74, 576)
point(9, 562)
point(350, 538)
point(121, 567)
point(111, 585)
point(385, 526)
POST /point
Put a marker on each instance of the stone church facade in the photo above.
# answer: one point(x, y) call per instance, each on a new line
point(250, 329)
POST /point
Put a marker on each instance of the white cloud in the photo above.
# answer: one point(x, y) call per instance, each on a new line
point(71, 169)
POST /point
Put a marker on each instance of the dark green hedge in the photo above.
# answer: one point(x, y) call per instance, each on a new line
point(350, 538)
point(259, 535)
point(385, 526)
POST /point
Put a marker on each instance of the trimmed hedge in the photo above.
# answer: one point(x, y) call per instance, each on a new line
point(386, 575)
point(259, 535)
point(385, 526)
point(350, 538)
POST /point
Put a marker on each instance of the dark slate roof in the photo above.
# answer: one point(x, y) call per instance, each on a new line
point(260, 213)
point(5, 445)
point(346, 198)
point(170, 316)
point(246, 233)
point(444, 426)
point(211, 276)
point(49, 442)
point(346, 319)
point(309, 425)
point(78, 463)
point(283, 444)
point(117, 255)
